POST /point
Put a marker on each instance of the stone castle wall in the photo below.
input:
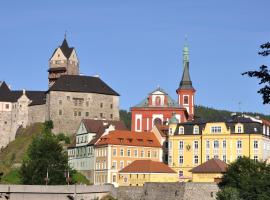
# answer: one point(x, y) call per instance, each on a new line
point(67, 109)
point(36, 114)
point(5, 128)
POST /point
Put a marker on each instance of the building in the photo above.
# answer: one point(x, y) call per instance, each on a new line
point(142, 171)
point(195, 142)
point(81, 154)
point(18, 108)
point(118, 149)
point(209, 172)
point(158, 107)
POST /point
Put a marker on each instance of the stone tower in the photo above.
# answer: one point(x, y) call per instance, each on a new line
point(185, 90)
point(63, 61)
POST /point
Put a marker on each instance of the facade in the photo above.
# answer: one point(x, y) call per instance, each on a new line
point(81, 154)
point(193, 143)
point(142, 171)
point(209, 172)
point(18, 109)
point(120, 148)
point(158, 107)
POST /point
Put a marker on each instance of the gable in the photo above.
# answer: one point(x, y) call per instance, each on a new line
point(58, 55)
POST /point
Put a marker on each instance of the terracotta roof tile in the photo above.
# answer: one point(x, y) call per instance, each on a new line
point(147, 166)
point(211, 166)
point(130, 138)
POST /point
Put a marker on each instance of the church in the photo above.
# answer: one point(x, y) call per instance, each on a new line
point(158, 107)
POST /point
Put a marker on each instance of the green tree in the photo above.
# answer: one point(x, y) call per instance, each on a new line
point(228, 193)
point(125, 116)
point(45, 154)
point(250, 178)
point(262, 74)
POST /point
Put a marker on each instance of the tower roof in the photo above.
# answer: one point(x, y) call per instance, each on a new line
point(66, 49)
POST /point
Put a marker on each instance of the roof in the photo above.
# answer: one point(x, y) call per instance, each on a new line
point(147, 166)
point(129, 138)
point(186, 82)
point(7, 95)
point(56, 69)
point(211, 166)
point(85, 84)
point(98, 127)
point(163, 129)
point(66, 49)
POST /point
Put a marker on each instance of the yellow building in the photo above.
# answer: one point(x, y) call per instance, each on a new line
point(118, 149)
point(141, 171)
point(193, 143)
point(210, 171)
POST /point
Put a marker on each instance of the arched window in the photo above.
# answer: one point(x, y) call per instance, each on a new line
point(138, 125)
point(158, 101)
point(185, 99)
point(157, 121)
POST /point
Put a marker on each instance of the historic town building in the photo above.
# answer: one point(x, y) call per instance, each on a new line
point(81, 154)
point(158, 107)
point(195, 142)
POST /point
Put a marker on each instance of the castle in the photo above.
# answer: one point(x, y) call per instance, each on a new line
point(70, 98)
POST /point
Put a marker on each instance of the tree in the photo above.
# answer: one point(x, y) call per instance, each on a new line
point(45, 155)
point(249, 178)
point(263, 75)
point(228, 193)
point(125, 116)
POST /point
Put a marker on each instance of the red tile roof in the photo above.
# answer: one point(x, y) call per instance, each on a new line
point(163, 129)
point(130, 138)
point(147, 166)
point(211, 166)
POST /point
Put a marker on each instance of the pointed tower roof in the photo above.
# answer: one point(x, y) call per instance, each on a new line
point(185, 82)
point(66, 49)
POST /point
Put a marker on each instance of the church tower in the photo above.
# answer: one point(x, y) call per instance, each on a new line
point(185, 90)
point(63, 61)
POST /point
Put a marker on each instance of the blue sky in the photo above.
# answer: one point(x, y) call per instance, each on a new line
point(137, 45)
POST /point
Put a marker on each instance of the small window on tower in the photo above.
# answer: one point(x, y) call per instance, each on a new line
point(185, 99)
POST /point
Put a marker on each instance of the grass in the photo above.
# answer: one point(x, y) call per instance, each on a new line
point(12, 156)
point(80, 178)
point(12, 177)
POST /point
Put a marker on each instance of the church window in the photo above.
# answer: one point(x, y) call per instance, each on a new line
point(60, 112)
point(87, 114)
point(157, 121)
point(185, 99)
point(158, 101)
point(138, 124)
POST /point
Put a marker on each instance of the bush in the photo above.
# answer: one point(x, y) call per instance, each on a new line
point(228, 193)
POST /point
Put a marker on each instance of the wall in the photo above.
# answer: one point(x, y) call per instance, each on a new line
point(206, 177)
point(36, 114)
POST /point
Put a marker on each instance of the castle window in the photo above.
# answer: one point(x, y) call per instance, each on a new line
point(207, 157)
point(256, 158)
point(114, 152)
point(128, 153)
point(111, 106)
point(138, 124)
point(207, 144)
point(122, 152)
point(185, 99)
point(87, 114)
point(142, 153)
point(181, 130)
point(75, 113)
point(60, 112)
point(79, 113)
point(111, 116)
point(224, 158)
point(57, 61)
point(101, 115)
point(101, 105)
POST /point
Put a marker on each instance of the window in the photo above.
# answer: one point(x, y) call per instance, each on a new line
point(196, 144)
point(216, 144)
point(255, 144)
point(154, 154)
point(181, 145)
point(158, 101)
point(255, 158)
point(196, 159)
point(60, 112)
point(149, 154)
point(114, 178)
point(170, 131)
point(7, 106)
point(60, 102)
point(136, 153)
point(170, 145)
point(216, 129)
point(207, 157)
point(224, 158)
point(224, 144)
point(196, 130)
point(207, 144)
point(87, 114)
point(111, 106)
point(181, 130)
point(79, 113)
point(114, 152)
point(101, 105)
point(75, 113)
point(128, 153)
point(239, 144)
point(239, 129)
point(181, 159)
point(114, 165)
point(142, 153)
point(216, 156)
point(121, 164)
point(122, 152)
point(185, 99)
point(180, 174)
point(101, 115)
point(111, 116)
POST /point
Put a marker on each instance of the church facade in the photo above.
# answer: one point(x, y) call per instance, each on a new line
point(158, 107)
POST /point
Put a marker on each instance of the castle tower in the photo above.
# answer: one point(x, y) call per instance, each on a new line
point(63, 61)
point(186, 91)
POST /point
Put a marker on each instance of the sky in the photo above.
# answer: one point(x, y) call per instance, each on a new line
point(136, 46)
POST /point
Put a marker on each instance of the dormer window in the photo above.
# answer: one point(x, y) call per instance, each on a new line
point(181, 130)
point(196, 130)
point(239, 128)
point(158, 101)
point(216, 129)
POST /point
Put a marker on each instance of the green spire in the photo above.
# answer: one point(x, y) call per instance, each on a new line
point(185, 53)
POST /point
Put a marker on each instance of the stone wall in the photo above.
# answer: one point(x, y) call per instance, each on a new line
point(36, 114)
point(67, 109)
point(5, 128)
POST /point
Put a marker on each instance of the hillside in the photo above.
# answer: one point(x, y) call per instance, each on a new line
point(11, 157)
point(205, 113)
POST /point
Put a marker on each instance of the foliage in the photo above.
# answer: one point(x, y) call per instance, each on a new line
point(108, 197)
point(45, 154)
point(263, 75)
point(63, 137)
point(228, 193)
point(12, 177)
point(80, 178)
point(249, 178)
point(125, 116)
